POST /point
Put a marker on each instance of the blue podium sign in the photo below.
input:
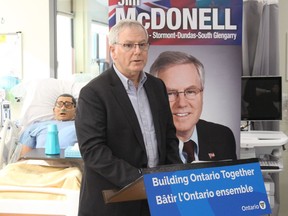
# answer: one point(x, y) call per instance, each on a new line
point(224, 190)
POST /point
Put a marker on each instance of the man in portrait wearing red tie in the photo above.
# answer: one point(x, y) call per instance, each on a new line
point(183, 75)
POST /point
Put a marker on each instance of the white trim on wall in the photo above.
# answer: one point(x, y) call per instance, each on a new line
point(286, 55)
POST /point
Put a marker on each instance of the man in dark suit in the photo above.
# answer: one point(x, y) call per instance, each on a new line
point(123, 124)
point(183, 76)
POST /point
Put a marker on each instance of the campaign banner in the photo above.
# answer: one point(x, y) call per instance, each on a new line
point(210, 30)
point(185, 22)
point(226, 190)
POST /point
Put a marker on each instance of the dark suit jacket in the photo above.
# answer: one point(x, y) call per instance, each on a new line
point(111, 141)
point(216, 142)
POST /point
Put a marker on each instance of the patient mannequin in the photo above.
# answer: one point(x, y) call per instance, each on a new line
point(64, 111)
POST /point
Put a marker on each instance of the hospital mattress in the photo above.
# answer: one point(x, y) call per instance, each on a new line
point(35, 189)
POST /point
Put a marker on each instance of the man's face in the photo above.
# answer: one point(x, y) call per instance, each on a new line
point(64, 110)
point(186, 113)
point(130, 62)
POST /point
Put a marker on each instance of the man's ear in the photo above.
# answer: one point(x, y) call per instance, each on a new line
point(112, 51)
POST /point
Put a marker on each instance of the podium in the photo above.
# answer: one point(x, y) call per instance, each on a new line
point(132, 192)
point(201, 187)
point(136, 190)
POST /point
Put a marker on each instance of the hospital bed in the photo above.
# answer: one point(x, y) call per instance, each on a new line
point(39, 190)
point(67, 207)
point(37, 100)
point(9, 146)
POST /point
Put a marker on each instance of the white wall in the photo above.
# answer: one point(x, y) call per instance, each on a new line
point(31, 17)
point(283, 41)
point(283, 32)
point(86, 11)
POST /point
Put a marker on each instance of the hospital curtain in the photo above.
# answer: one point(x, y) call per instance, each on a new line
point(260, 46)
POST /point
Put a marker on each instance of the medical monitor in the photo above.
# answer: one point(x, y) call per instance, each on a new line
point(261, 98)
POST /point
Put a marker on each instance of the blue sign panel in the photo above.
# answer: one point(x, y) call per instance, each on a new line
point(237, 189)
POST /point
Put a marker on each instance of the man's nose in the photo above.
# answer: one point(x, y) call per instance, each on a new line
point(181, 99)
point(136, 48)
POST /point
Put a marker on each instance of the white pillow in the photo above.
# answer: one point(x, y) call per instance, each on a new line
point(80, 80)
point(39, 97)
point(76, 87)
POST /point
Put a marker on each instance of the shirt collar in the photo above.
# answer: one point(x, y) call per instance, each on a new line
point(126, 82)
point(194, 136)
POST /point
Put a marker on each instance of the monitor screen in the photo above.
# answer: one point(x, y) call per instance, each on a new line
point(261, 98)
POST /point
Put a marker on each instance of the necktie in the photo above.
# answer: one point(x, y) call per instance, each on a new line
point(189, 147)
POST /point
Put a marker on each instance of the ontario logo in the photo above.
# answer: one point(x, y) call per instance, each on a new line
point(262, 205)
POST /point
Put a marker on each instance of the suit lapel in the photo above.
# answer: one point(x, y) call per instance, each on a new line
point(125, 104)
point(206, 147)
